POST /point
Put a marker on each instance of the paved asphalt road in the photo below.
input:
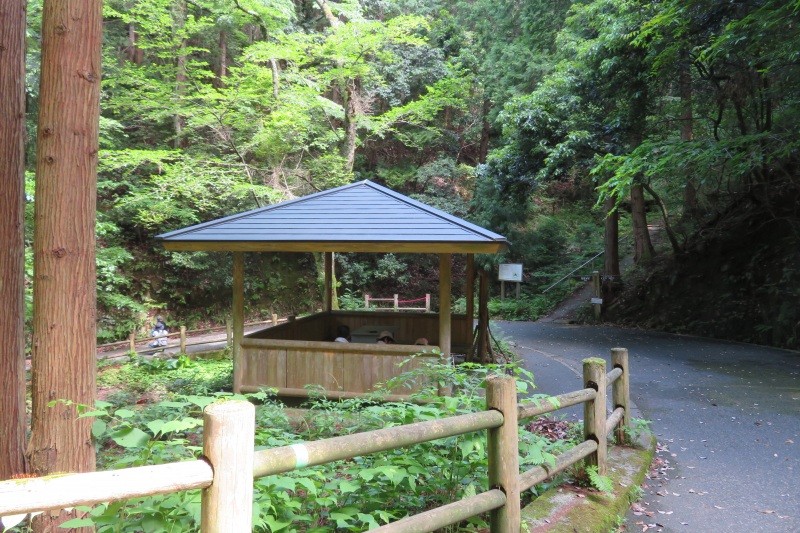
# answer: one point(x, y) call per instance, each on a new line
point(726, 415)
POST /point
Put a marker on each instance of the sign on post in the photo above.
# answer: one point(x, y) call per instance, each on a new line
point(509, 272)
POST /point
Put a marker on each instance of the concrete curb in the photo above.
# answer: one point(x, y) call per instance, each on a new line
point(572, 510)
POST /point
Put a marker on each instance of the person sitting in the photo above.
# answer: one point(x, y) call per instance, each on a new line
point(159, 333)
point(343, 334)
point(385, 337)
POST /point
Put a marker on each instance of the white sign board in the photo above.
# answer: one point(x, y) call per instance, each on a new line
point(510, 272)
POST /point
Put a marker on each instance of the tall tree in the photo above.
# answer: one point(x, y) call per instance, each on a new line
point(64, 295)
point(12, 246)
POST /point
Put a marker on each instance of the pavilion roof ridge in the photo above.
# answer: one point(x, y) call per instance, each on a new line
point(483, 232)
point(256, 211)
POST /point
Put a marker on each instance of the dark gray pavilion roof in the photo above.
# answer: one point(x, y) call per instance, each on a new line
point(360, 217)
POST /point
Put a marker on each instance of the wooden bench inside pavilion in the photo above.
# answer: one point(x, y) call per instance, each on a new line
point(360, 217)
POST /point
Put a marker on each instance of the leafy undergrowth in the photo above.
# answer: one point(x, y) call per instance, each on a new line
point(149, 419)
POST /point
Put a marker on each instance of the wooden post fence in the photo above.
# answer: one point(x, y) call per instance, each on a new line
point(230, 463)
point(594, 412)
point(228, 435)
point(620, 391)
point(502, 448)
point(183, 339)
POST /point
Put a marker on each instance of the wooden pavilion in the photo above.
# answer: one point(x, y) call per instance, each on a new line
point(360, 217)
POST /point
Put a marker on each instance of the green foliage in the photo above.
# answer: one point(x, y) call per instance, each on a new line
point(635, 429)
point(155, 376)
point(350, 495)
point(601, 483)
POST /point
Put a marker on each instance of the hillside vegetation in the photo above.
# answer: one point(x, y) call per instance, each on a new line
point(542, 120)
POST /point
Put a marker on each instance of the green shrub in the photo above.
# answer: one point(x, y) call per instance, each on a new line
point(351, 495)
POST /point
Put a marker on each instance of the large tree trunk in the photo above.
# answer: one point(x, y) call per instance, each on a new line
point(135, 54)
point(642, 246)
point(223, 57)
point(486, 128)
point(611, 239)
point(64, 296)
point(179, 20)
point(687, 127)
point(12, 247)
point(351, 112)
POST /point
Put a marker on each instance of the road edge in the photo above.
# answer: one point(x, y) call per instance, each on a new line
point(566, 510)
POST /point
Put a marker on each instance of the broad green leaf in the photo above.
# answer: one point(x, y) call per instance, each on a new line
point(98, 428)
point(131, 438)
point(77, 522)
point(275, 524)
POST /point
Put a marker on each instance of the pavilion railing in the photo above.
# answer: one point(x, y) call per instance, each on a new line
point(398, 304)
point(229, 463)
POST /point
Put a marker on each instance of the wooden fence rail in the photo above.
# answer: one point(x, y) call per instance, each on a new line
point(229, 463)
point(182, 335)
point(397, 303)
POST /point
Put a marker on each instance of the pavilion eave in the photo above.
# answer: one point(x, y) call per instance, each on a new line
point(340, 247)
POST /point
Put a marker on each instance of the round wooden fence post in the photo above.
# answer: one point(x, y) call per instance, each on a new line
point(620, 390)
point(274, 320)
point(503, 451)
point(183, 339)
point(228, 444)
point(594, 412)
point(132, 341)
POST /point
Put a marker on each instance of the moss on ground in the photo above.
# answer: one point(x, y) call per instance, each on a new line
point(562, 509)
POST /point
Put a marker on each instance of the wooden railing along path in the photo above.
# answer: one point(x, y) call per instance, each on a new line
point(182, 335)
point(229, 463)
point(397, 303)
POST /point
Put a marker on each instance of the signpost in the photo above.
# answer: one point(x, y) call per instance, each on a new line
point(509, 272)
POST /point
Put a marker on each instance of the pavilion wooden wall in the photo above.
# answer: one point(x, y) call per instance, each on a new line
point(341, 368)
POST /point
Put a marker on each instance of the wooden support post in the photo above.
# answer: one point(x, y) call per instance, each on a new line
point(620, 390)
point(396, 302)
point(503, 452)
point(366, 301)
point(228, 435)
point(132, 340)
point(518, 286)
point(427, 302)
point(229, 333)
point(596, 294)
point(483, 318)
point(445, 332)
point(238, 318)
point(594, 411)
point(328, 296)
point(183, 339)
point(469, 296)
point(274, 320)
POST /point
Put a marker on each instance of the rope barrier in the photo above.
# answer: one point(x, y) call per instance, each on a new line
point(415, 300)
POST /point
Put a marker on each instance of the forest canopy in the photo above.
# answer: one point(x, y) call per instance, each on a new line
point(543, 120)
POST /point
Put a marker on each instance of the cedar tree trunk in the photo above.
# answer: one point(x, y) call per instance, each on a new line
point(611, 239)
point(643, 247)
point(12, 247)
point(687, 127)
point(64, 296)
